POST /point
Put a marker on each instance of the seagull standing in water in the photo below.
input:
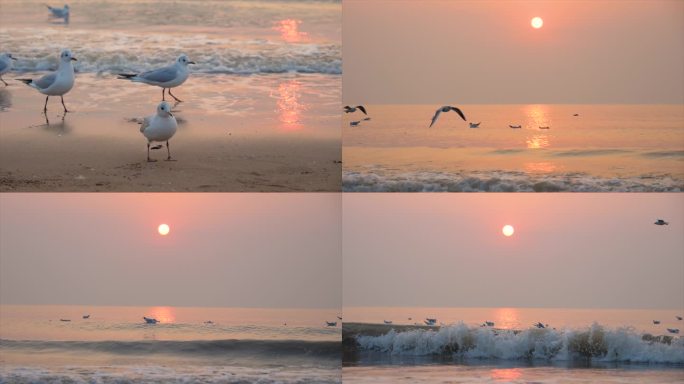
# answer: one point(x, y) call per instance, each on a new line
point(62, 13)
point(446, 108)
point(348, 109)
point(56, 83)
point(159, 127)
point(166, 78)
point(5, 65)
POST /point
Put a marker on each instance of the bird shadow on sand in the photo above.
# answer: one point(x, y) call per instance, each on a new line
point(5, 99)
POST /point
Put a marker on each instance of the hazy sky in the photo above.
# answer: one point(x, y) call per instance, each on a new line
point(425, 52)
point(569, 250)
point(241, 249)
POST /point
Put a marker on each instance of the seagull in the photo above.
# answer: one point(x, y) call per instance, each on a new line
point(547, 127)
point(150, 320)
point(661, 222)
point(656, 322)
point(208, 322)
point(673, 330)
point(159, 127)
point(354, 123)
point(540, 325)
point(515, 126)
point(56, 83)
point(474, 125)
point(679, 318)
point(576, 114)
point(331, 323)
point(5, 65)
point(59, 12)
point(387, 321)
point(429, 320)
point(166, 77)
point(339, 317)
point(489, 323)
point(366, 118)
point(446, 108)
point(64, 320)
point(86, 316)
point(348, 109)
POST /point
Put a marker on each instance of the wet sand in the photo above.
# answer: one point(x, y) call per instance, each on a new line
point(236, 133)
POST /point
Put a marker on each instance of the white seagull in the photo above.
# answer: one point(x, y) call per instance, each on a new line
point(166, 77)
point(159, 127)
point(56, 83)
point(59, 12)
point(348, 109)
point(5, 64)
point(446, 108)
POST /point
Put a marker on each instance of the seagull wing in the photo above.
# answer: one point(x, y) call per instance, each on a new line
point(45, 81)
point(161, 75)
point(362, 109)
point(434, 118)
point(459, 112)
point(3, 65)
point(145, 123)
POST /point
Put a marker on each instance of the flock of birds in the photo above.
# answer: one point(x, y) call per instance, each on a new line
point(159, 127)
point(152, 320)
point(438, 112)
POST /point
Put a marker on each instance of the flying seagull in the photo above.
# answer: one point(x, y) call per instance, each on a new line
point(56, 83)
point(5, 65)
point(661, 222)
point(159, 127)
point(166, 77)
point(348, 109)
point(446, 108)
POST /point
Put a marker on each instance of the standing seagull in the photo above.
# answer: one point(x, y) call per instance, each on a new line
point(661, 222)
point(348, 109)
point(5, 65)
point(159, 127)
point(446, 108)
point(166, 77)
point(56, 83)
point(62, 13)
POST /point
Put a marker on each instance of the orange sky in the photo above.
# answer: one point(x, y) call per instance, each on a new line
point(486, 52)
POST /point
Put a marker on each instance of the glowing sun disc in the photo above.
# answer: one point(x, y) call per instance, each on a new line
point(537, 22)
point(508, 230)
point(163, 229)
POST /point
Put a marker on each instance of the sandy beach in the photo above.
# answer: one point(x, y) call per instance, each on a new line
point(224, 142)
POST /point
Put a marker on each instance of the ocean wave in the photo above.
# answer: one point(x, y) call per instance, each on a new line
point(164, 374)
point(501, 181)
point(111, 52)
point(594, 343)
point(324, 350)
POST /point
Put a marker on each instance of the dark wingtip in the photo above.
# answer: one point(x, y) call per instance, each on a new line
point(126, 75)
point(25, 81)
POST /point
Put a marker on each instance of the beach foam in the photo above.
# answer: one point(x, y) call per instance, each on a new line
point(502, 181)
point(594, 343)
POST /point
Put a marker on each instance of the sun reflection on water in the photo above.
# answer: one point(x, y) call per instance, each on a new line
point(507, 318)
point(537, 141)
point(506, 374)
point(541, 167)
point(289, 106)
point(289, 30)
point(163, 314)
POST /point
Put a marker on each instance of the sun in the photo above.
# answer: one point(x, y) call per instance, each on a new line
point(508, 230)
point(163, 229)
point(537, 22)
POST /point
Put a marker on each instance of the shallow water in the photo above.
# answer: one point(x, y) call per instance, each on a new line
point(605, 148)
point(115, 345)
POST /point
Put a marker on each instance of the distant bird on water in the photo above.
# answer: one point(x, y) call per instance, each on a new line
point(515, 126)
point(673, 330)
point(86, 316)
point(446, 108)
point(661, 222)
point(331, 323)
point(56, 83)
point(547, 127)
point(354, 123)
point(166, 77)
point(348, 109)
point(474, 125)
point(679, 318)
point(150, 320)
point(387, 321)
point(159, 127)
point(5, 65)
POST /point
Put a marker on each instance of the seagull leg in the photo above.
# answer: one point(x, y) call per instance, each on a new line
point(148, 154)
point(3, 81)
point(163, 89)
point(65, 110)
point(45, 107)
point(177, 99)
point(168, 150)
